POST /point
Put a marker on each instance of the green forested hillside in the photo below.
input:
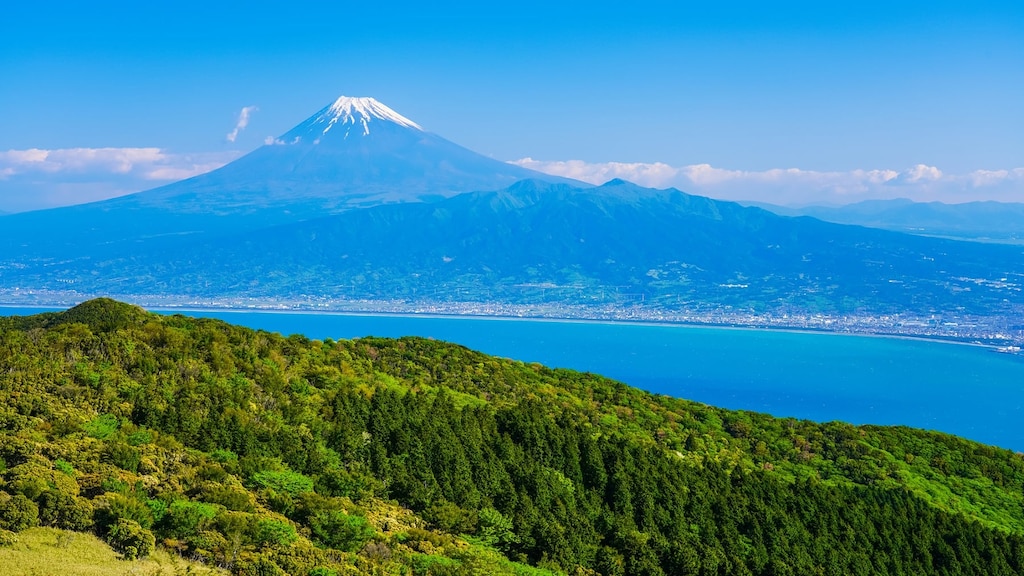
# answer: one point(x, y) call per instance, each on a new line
point(264, 455)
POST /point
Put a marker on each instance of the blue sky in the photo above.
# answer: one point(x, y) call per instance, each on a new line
point(786, 101)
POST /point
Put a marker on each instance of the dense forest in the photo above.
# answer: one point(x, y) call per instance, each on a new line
point(267, 455)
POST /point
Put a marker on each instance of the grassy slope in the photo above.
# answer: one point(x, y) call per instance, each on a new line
point(52, 552)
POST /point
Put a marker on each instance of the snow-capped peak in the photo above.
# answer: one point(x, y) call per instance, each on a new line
point(361, 111)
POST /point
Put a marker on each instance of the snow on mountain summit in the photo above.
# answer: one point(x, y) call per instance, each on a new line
point(359, 112)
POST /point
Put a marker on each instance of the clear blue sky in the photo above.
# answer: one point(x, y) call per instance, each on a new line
point(751, 86)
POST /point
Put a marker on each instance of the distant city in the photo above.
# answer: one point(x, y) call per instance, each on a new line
point(1002, 332)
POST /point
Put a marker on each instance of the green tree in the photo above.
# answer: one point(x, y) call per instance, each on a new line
point(496, 529)
point(17, 512)
point(336, 529)
point(130, 539)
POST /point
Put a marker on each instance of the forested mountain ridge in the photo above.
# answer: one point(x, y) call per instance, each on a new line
point(267, 454)
point(617, 248)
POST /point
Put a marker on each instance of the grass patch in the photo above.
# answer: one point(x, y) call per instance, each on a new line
point(52, 552)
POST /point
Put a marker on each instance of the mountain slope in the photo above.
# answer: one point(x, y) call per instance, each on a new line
point(613, 245)
point(260, 453)
point(356, 151)
point(67, 553)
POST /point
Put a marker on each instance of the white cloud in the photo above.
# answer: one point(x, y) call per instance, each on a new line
point(116, 160)
point(173, 173)
point(26, 156)
point(797, 186)
point(923, 172)
point(144, 163)
point(981, 178)
point(243, 121)
point(655, 175)
point(37, 178)
point(271, 141)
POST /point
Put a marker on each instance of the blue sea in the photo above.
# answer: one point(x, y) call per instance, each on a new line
point(970, 391)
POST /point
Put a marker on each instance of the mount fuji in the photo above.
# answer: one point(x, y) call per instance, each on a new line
point(353, 153)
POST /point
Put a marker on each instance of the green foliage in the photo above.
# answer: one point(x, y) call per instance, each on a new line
point(336, 529)
point(115, 485)
point(140, 437)
point(224, 456)
point(112, 507)
point(184, 517)
point(101, 315)
point(64, 466)
point(285, 482)
point(495, 529)
point(62, 510)
point(209, 545)
point(271, 532)
point(157, 509)
point(449, 517)
point(101, 427)
point(36, 476)
point(432, 565)
point(130, 539)
point(7, 538)
point(258, 566)
point(230, 497)
point(17, 512)
point(123, 456)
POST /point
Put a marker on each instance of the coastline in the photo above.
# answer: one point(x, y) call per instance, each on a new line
point(185, 309)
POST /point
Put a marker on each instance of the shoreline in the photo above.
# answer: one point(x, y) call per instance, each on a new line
point(599, 321)
point(551, 319)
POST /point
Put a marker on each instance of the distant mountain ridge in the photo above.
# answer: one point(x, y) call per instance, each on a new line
point(992, 221)
point(616, 245)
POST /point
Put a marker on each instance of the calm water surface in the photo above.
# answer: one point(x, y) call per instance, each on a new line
point(966, 390)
